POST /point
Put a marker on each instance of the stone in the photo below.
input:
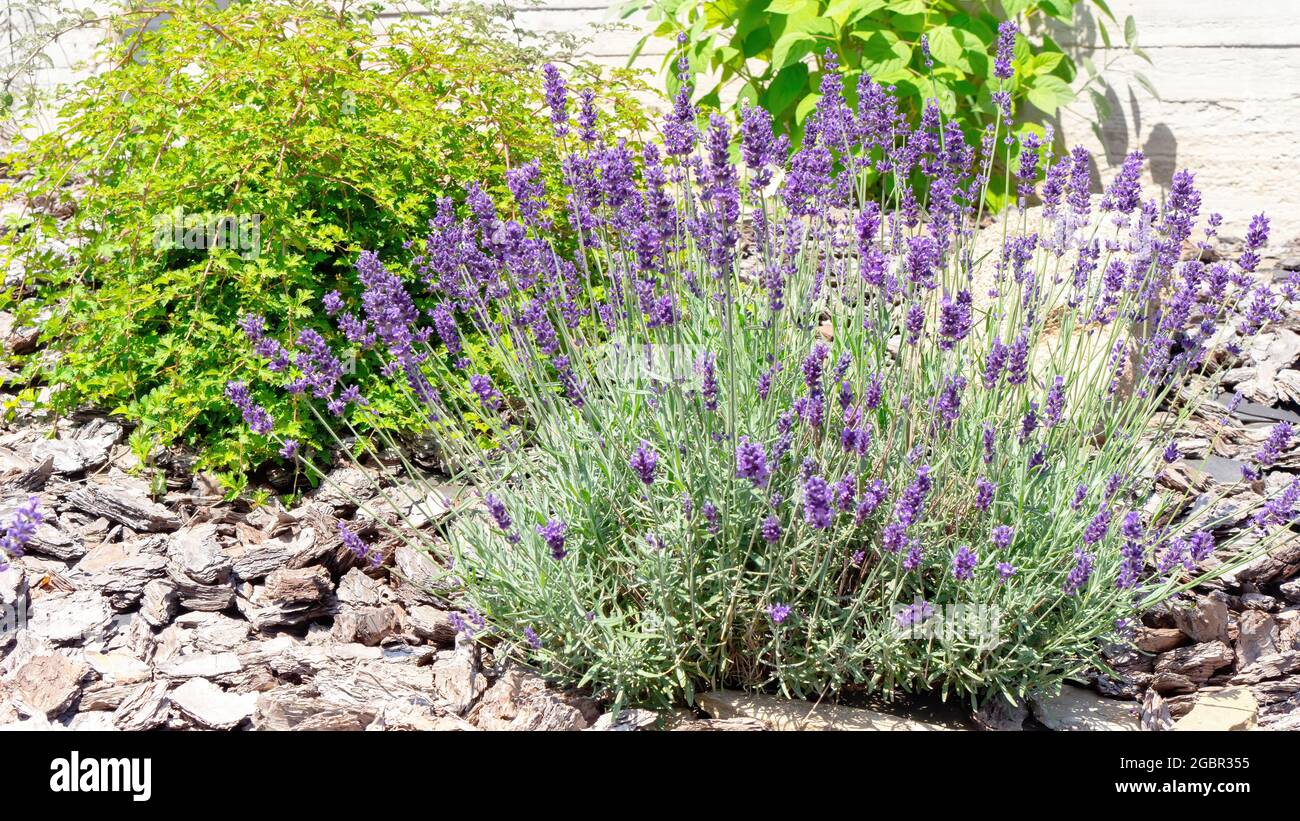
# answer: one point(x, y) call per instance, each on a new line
point(118, 667)
point(406, 716)
point(777, 713)
point(75, 617)
point(747, 725)
point(1258, 601)
point(195, 595)
point(1291, 590)
point(75, 456)
point(53, 540)
point(158, 603)
point(214, 632)
point(289, 708)
point(123, 582)
point(1197, 662)
point(144, 708)
point(1257, 635)
point(207, 705)
point(1231, 709)
point(367, 625)
point(1207, 620)
point(1154, 712)
point(457, 681)
point(626, 720)
point(1273, 665)
point(259, 560)
point(204, 665)
point(197, 552)
point(518, 700)
point(428, 623)
point(126, 506)
point(343, 488)
point(47, 685)
point(1159, 639)
point(1172, 684)
point(1076, 708)
point(356, 589)
point(307, 584)
point(999, 715)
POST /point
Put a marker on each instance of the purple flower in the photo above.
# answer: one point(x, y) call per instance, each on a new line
point(489, 396)
point(984, 490)
point(1097, 528)
point(963, 564)
point(709, 385)
point(1018, 360)
point(1005, 571)
point(1054, 408)
point(1125, 192)
point(817, 502)
point(1171, 454)
point(1279, 439)
point(1256, 238)
point(20, 529)
point(914, 614)
point(949, 402)
point(643, 462)
point(1080, 493)
point(778, 612)
point(954, 319)
point(553, 533)
point(497, 509)
point(530, 636)
point(812, 368)
point(1079, 574)
point(332, 303)
point(1002, 68)
point(1202, 545)
point(994, 363)
point(556, 99)
point(290, 449)
point(990, 438)
point(771, 529)
point(1002, 535)
point(751, 462)
point(255, 416)
point(912, 502)
point(358, 547)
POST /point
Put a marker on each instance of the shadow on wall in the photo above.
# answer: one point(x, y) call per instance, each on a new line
point(1120, 131)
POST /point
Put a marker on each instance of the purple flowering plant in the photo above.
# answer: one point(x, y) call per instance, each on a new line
point(753, 391)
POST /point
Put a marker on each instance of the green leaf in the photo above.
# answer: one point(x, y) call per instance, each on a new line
point(1048, 93)
point(844, 12)
point(805, 107)
point(1010, 8)
point(791, 6)
point(785, 88)
point(1145, 83)
point(907, 6)
point(792, 47)
point(949, 46)
point(883, 52)
point(1130, 31)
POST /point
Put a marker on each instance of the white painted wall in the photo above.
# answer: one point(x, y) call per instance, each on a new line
point(1228, 74)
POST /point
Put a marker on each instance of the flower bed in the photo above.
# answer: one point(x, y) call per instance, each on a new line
point(871, 453)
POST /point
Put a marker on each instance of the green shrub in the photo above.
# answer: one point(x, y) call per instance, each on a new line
point(314, 134)
point(771, 53)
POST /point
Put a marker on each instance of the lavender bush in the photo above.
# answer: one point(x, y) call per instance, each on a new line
point(761, 429)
